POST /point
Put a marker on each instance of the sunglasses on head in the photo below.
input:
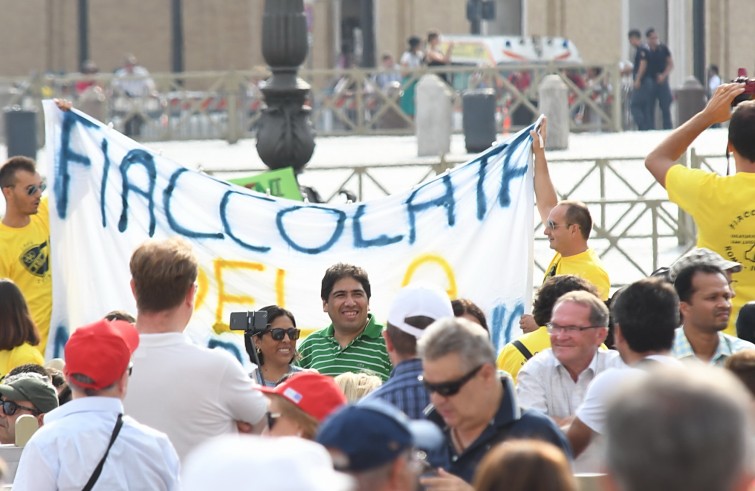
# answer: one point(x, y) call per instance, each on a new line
point(10, 408)
point(279, 333)
point(450, 388)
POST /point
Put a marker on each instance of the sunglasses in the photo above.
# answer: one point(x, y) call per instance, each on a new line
point(10, 408)
point(279, 333)
point(32, 189)
point(451, 388)
point(272, 418)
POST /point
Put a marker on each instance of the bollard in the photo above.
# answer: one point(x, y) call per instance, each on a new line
point(434, 113)
point(21, 132)
point(478, 119)
point(554, 103)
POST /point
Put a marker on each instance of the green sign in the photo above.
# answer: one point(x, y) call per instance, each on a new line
point(279, 182)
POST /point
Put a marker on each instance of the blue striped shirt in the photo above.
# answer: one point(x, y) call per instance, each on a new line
point(365, 353)
point(404, 390)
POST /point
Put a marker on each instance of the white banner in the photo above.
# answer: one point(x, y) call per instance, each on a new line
point(468, 230)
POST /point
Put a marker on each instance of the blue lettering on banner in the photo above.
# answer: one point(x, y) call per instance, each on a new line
point(229, 347)
point(446, 200)
point(227, 226)
point(380, 240)
point(481, 199)
point(103, 185)
point(337, 231)
point(167, 194)
point(146, 160)
point(66, 157)
point(502, 323)
point(510, 173)
point(59, 341)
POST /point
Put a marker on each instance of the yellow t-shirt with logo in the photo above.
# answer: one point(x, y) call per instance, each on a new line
point(723, 208)
point(25, 259)
point(586, 265)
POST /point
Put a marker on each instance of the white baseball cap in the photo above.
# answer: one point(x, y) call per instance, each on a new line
point(419, 299)
point(241, 462)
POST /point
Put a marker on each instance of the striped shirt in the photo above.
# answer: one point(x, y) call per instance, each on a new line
point(404, 390)
point(366, 353)
point(727, 346)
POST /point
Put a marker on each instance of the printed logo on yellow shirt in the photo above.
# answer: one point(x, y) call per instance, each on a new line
point(35, 259)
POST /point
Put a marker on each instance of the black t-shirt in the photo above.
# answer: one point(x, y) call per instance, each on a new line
point(657, 60)
point(639, 55)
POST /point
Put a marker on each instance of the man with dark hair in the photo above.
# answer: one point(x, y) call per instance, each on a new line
point(163, 390)
point(645, 315)
point(643, 85)
point(414, 308)
point(705, 303)
point(659, 66)
point(24, 393)
point(567, 225)
point(25, 236)
point(516, 353)
point(721, 206)
point(353, 342)
point(89, 440)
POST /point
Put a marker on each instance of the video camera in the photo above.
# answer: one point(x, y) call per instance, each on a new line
point(749, 84)
point(251, 322)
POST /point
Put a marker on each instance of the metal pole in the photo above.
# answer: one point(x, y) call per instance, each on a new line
point(83, 32)
point(177, 36)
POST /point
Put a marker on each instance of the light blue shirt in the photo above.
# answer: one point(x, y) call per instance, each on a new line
point(64, 452)
point(727, 346)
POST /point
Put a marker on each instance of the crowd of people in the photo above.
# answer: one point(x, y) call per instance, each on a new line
point(651, 384)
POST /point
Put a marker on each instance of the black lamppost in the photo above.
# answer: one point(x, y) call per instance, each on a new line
point(285, 137)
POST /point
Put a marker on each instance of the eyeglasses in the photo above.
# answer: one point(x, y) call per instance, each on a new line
point(130, 368)
point(279, 333)
point(553, 225)
point(32, 189)
point(555, 328)
point(10, 408)
point(450, 388)
point(272, 418)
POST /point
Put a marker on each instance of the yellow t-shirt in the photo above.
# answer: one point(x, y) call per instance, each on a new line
point(25, 259)
point(724, 211)
point(20, 355)
point(586, 265)
point(511, 359)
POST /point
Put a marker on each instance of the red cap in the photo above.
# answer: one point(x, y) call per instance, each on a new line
point(101, 351)
point(313, 393)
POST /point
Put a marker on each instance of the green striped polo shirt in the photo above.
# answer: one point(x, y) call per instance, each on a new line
point(366, 353)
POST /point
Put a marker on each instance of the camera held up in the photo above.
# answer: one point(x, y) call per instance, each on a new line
point(749, 84)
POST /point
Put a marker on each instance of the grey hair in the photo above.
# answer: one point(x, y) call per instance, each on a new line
point(679, 429)
point(598, 309)
point(456, 335)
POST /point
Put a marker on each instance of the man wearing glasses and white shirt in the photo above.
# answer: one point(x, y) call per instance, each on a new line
point(475, 406)
point(555, 380)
